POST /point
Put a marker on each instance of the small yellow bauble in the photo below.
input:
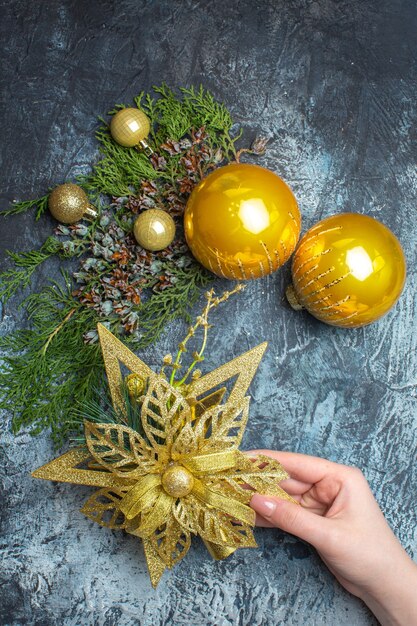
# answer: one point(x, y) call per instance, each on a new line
point(135, 386)
point(177, 481)
point(348, 270)
point(69, 203)
point(154, 230)
point(242, 221)
point(129, 127)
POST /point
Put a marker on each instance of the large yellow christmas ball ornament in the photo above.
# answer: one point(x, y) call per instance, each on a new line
point(242, 221)
point(348, 270)
point(154, 230)
point(130, 127)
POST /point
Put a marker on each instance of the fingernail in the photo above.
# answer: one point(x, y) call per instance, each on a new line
point(264, 506)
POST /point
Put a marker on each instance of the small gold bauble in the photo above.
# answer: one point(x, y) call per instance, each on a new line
point(129, 127)
point(242, 221)
point(348, 270)
point(154, 229)
point(68, 204)
point(135, 385)
point(177, 481)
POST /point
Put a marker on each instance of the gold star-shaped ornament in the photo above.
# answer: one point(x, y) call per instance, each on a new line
point(182, 474)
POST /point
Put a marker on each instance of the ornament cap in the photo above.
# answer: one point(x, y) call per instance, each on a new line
point(292, 298)
point(145, 147)
point(91, 212)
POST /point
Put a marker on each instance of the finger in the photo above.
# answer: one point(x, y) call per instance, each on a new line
point(293, 519)
point(295, 487)
point(264, 523)
point(312, 504)
point(308, 469)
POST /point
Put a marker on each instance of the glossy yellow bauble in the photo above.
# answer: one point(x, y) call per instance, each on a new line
point(69, 203)
point(348, 270)
point(129, 127)
point(177, 481)
point(242, 221)
point(154, 230)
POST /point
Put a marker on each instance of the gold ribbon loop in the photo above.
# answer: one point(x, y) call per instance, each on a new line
point(145, 502)
point(214, 462)
point(155, 517)
point(140, 496)
point(228, 505)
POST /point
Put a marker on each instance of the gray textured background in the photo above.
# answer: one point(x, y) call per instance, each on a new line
point(333, 84)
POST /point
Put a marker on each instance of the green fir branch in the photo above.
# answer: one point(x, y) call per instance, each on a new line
point(120, 170)
point(172, 303)
point(48, 369)
point(49, 372)
point(214, 116)
point(173, 115)
point(26, 205)
point(15, 280)
point(53, 370)
point(147, 103)
point(205, 109)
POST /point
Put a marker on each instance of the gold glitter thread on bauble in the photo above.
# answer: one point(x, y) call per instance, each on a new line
point(154, 230)
point(242, 221)
point(69, 203)
point(130, 127)
point(348, 270)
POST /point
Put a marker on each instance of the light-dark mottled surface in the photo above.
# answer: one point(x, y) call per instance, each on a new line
point(333, 85)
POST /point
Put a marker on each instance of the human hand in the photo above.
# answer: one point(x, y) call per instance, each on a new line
point(340, 517)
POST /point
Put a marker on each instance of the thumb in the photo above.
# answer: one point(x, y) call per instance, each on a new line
point(292, 518)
